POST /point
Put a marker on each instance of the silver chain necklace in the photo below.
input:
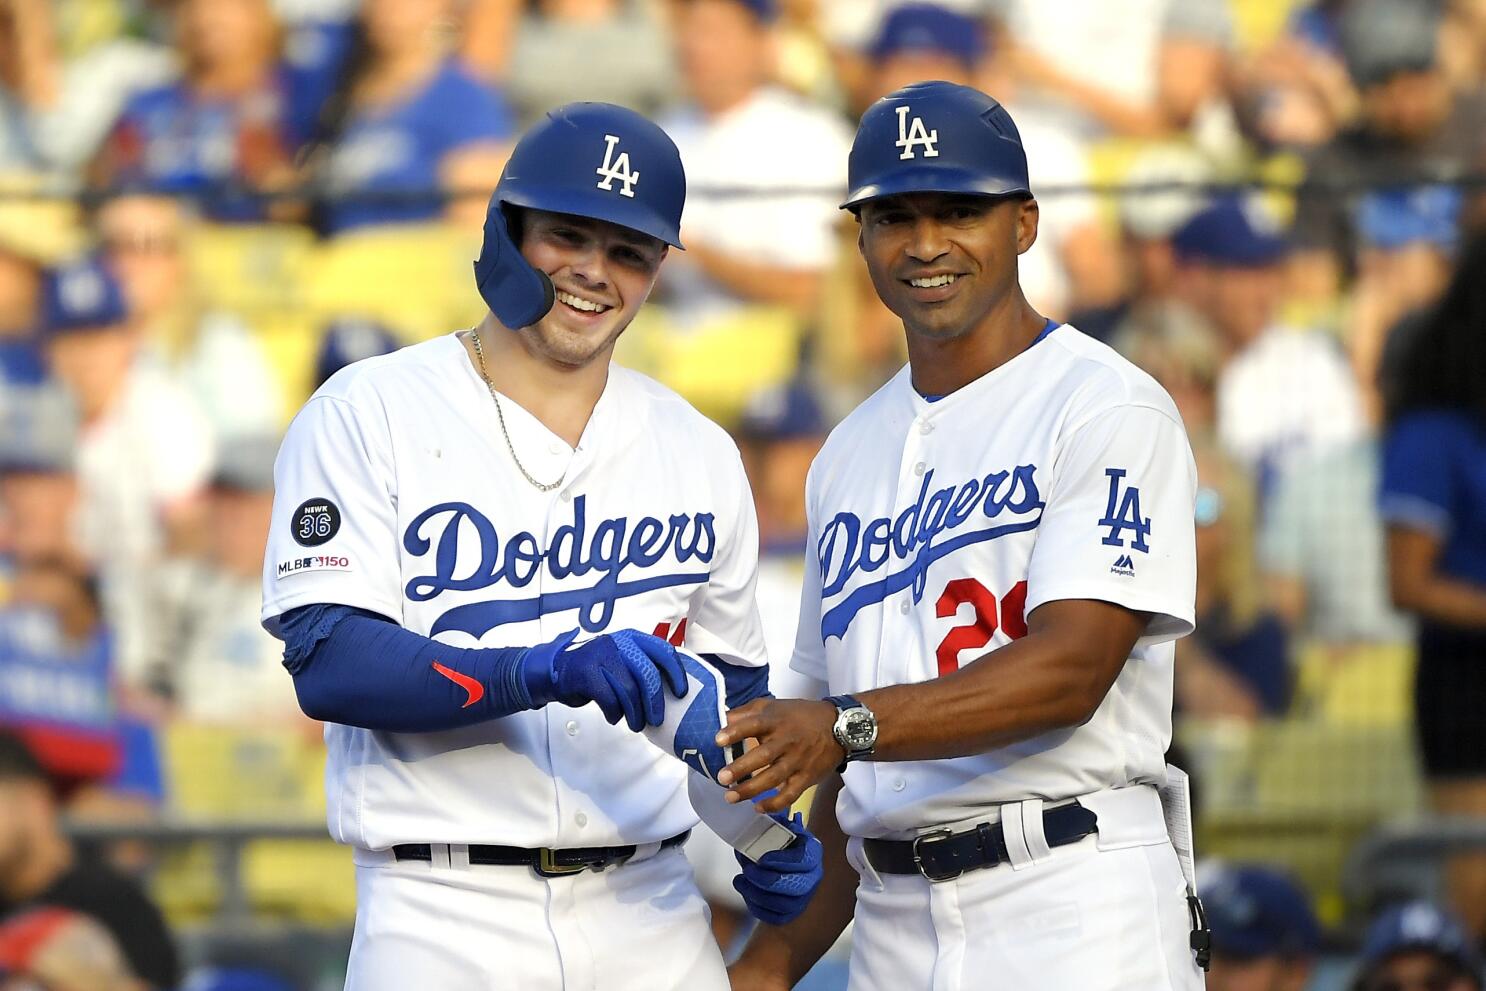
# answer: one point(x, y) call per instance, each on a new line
point(501, 417)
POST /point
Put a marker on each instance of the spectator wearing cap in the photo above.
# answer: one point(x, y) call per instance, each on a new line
point(611, 50)
point(349, 340)
point(765, 172)
point(1417, 947)
point(407, 124)
point(1265, 936)
point(227, 670)
point(58, 950)
point(1283, 393)
point(211, 353)
point(1073, 264)
point(144, 452)
point(1433, 501)
point(42, 869)
point(1380, 199)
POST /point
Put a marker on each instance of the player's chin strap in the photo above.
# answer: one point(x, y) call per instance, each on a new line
point(516, 293)
point(1176, 805)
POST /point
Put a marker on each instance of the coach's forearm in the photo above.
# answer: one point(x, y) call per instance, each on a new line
point(1053, 678)
point(778, 956)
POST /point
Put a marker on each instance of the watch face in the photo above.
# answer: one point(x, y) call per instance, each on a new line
point(861, 729)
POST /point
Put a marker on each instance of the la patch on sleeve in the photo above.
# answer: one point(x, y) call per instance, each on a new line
point(315, 522)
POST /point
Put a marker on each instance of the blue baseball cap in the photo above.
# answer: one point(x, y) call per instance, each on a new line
point(1255, 912)
point(1397, 217)
point(81, 295)
point(350, 339)
point(785, 412)
point(1233, 232)
point(927, 27)
point(1419, 925)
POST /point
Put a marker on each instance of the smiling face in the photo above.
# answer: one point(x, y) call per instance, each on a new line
point(945, 262)
point(602, 273)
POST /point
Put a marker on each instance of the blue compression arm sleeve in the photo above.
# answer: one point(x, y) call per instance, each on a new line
point(359, 669)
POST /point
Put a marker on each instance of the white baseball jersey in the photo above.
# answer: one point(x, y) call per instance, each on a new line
point(938, 527)
point(396, 493)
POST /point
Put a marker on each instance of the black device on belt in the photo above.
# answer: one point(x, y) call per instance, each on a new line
point(546, 862)
point(943, 855)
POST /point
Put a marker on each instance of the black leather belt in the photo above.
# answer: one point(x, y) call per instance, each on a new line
point(546, 862)
point(943, 855)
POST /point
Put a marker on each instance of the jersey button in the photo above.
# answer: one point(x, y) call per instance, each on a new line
point(572, 727)
point(918, 469)
point(554, 448)
point(905, 607)
point(567, 496)
point(899, 785)
point(581, 819)
point(926, 427)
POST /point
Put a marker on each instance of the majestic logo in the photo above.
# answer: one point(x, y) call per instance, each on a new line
point(611, 547)
point(1126, 516)
point(619, 169)
point(1124, 565)
point(847, 547)
point(912, 135)
point(473, 690)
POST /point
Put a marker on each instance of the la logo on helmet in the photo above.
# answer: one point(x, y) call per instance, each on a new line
point(912, 135)
point(619, 169)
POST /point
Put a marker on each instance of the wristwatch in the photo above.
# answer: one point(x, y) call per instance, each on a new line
point(855, 728)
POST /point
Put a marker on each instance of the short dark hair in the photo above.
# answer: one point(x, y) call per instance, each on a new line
point(17, 762)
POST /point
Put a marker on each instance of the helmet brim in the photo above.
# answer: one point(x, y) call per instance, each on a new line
point(934, 179)
point(595, 204)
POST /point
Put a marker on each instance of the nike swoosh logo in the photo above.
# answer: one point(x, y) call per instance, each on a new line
point(474, 688)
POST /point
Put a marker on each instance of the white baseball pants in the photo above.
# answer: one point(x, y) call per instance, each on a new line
point(444, 926)
point(1107, 913)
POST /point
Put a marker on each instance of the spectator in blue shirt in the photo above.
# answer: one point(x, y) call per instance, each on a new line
point(1433, 501)
point(228, 128)
point(407, 125)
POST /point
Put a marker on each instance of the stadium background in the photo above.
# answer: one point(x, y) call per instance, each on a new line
point(208, 205)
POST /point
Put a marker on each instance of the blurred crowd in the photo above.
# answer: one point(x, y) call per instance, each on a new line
point(1273, 206)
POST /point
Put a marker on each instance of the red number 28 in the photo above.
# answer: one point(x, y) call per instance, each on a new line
point(979, 630)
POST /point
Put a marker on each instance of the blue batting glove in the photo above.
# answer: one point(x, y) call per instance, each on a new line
point(622, 672)
point(781, 884)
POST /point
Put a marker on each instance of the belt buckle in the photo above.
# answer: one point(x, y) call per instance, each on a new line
point(548, 867)
point(918, 860)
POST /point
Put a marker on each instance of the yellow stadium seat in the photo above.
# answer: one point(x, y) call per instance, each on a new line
point(227, 774)
point(719, 367)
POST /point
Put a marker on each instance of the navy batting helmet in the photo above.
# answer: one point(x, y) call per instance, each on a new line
point(592, 160)
point(936, 137)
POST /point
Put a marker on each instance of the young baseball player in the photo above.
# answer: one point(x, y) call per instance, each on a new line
point(482, 550)
point(1004, 555)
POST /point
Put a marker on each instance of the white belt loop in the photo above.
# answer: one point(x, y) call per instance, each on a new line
point(643, 851)
point(438, 855)
point(1032, 832)
point(459, 856)
point(1016, 841)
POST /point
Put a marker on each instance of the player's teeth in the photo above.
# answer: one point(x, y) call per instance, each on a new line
point(578, 303)
point(930, 283)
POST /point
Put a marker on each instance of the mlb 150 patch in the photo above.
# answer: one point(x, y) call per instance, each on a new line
point(316, 562)
point(315, 522)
